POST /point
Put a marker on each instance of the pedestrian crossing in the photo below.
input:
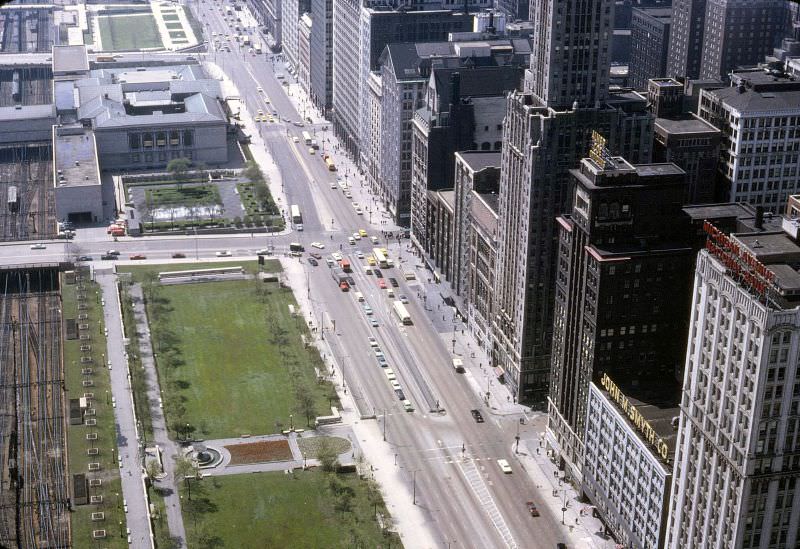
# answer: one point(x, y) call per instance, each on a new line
point(471, 472)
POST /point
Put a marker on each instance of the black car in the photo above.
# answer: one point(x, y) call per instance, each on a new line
point(313, 261)
point(393, 282)
point(108, 257)
point(400, 394)
point(477, 416)
point(84, 258)
point(378, 273)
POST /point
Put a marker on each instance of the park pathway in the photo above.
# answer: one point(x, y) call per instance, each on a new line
point(160, 434)
point(130, 469)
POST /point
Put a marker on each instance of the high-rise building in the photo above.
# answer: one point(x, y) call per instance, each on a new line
point(685, 49)
point(622, 289)
point(321, 45)
point(272, 21)
point(740, 33)
point(291, 11)
point(547, 130)
point(303, 67)
point(570, 57)
point(759, 117)
point(649, 42)
point(736, 458)
point(515, 9)
point(361, 30)
point(489, 69)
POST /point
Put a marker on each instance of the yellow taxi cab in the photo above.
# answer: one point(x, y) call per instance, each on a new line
point(362, 232)
point(260, 112)
point(371, 261)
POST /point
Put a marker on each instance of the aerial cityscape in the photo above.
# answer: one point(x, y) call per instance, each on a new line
point(400, 273)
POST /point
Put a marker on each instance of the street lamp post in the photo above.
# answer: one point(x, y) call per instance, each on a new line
point(414, 487)
point(385, 417)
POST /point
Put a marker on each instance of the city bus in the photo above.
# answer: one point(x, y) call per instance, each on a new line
point(401, 312)
point(380, 258)
point(297, 219)
point(307, 138)
point(329, 163)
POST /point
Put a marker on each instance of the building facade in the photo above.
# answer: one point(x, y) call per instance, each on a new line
point(515, 9)
point(736, 459)
point(759, 121)
point(304, 53)
point(321, 46)
point(685, 49)
point(621, 290)
point(627, 471)
point(693, 145)
point(291, 11)
point(560, 75)
point(740, 33)
point(649, 43)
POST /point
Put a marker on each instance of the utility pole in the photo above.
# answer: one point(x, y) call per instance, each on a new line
point(414, 487)
point(385, 417)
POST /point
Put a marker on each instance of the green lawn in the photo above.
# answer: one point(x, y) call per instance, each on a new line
point(231, 360)
point(77, 444)
point(140, 273)
point(174, 26)
point(305, 509)
point(129, 32)
point(187, 195)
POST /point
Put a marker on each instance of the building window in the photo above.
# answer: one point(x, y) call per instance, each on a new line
point(161, 140)
point(134, 141)
point(174, 138)
point(147, 140)
point(188, 138)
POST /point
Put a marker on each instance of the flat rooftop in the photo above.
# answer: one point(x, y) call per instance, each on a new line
point(70, 59)
point(682, 126)
point(479, 160)
point(76, 159)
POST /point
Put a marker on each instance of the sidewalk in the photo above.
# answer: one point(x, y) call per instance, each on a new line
point(169, 449)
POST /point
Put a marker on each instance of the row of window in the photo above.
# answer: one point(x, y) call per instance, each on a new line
point(161, 140)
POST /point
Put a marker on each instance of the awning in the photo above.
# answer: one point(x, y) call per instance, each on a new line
point(499, 372)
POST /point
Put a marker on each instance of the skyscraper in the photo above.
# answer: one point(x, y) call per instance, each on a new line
point(622, 289)
point(570, 58)
point(736, 460)
point(740, 33)
point(547, 131)
point(686, 38)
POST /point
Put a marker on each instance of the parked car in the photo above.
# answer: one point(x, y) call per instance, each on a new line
point(393, 282)
point(315, 255)
point(313, 261)
point(372, 341)
point(374, 322)
point(407, 406)
point(400, 394)
point(477, 416)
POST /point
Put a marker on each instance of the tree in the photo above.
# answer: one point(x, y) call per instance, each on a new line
point(185, 469)
point(152, 469)
point(252, 171)
point(327, 456)
point(304, 405)
point(178, 168)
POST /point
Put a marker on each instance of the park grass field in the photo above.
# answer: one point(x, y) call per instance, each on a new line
point(303, 509)
point(129, 32)
point(186, 195)
point(231, 360)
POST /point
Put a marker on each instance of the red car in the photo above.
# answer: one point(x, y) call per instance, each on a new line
point(532, 508)
point(344, 286)
point(137, 256)
point(381, 284)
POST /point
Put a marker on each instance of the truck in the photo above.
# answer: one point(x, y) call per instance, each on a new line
point(401, 312)
point(258, 48)
point(340, 276)
point(345, 265)
point(458, 365)
point(245, 40)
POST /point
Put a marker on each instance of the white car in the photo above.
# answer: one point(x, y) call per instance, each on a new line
point(260, 89)
point(396, 385)
point(359, 211)
point(372, 341)
point(351, 240)
point(348, 194)
point(374, 239)
point(224, 253)
point(357, 236)
point(360, 254)
point(38, 246)
point(390, 292)
point(337, 256)
point(295, 139)
point(390, 374)
point(407, 406)
point(333, 185)
point(318, 245)
point(504, 466)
